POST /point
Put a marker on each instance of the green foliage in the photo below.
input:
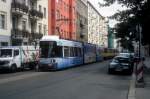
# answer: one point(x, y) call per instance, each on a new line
point(128, 3)
point(138, 12)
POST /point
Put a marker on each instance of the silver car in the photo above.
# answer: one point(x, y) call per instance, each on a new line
point(120, 64)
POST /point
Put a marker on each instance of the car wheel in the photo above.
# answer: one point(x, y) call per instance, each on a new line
point(13, 68)
point(22, 67)
point(37, 69)
point(110, 71)
point(32, 67)
point(130, 71)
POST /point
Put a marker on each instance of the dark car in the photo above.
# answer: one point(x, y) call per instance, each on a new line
point(120, 64)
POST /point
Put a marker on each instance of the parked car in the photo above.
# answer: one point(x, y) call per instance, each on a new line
point(120, 64)
point(18, 57)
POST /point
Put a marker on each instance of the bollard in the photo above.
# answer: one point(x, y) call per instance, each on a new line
point(140, 74)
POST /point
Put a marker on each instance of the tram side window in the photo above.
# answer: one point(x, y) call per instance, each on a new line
point(72, 52)
point(75, 52)
point(66, 51)
point(79, 52)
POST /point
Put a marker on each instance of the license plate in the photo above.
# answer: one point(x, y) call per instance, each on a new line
point(118, 69)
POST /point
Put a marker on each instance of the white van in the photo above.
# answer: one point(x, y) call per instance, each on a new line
point(15, 57)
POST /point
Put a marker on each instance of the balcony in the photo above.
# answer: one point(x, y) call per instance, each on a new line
point(34, 14)
point(81, 25)
point(34, 0)
point(19, 9)
point(19, 34)
point(36, 36)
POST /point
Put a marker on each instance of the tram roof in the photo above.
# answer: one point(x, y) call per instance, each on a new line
point(61, 42)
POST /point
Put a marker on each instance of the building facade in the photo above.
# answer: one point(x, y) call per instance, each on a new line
point(97, 27)
point(93, 25)
point(5, 32)
point(62, 18)
point(111, 38)
point(103, 32)
point(82, 21)
point(28, 21)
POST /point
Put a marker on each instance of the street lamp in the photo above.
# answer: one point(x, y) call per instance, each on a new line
point(139, 30)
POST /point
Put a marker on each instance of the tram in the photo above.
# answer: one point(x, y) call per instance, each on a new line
point(56, 53)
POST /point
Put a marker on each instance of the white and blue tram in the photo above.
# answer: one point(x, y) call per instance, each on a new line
point(58, 53)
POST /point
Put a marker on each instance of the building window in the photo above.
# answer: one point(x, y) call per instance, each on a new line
point(4, 43)
point(44, 12)
point(14, 23)
point(3, 0)
point(40, 8)
point(61, 17)
point(40, 28)
point(45, 29)
point(2, 21)
point(24, 25)
point(57, 14)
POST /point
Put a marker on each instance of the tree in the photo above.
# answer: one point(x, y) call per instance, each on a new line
point(138, 12)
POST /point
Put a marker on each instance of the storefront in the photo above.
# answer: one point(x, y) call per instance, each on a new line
point(4, 40)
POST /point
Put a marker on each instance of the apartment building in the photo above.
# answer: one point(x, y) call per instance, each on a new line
point(82, 20)
point(93, 25)
point(5, 32)
point(62, 18)
point(104, 32)
point(97, 27)
point(26, 22)
point(29, 21)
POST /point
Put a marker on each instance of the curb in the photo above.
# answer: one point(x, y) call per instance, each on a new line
point(132, 90)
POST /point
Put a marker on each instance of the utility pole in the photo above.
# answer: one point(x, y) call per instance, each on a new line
point(139, 30)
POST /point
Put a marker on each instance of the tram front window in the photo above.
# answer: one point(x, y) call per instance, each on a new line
point(50, 49)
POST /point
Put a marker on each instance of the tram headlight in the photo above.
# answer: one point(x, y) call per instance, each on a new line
point(53, 60)
point(49, 65)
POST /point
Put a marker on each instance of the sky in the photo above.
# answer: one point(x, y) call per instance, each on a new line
point(107, 11)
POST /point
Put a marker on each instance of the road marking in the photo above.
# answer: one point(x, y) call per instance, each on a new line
point(131, 93)
point(20, 77)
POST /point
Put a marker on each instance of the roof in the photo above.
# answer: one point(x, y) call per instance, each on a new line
point(95, 9)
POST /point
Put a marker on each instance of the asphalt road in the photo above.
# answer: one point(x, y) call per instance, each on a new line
point(84, 82)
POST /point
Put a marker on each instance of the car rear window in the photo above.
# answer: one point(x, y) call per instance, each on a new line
point(123, 60)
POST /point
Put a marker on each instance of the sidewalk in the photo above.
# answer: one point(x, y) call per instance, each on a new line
point(144, 93)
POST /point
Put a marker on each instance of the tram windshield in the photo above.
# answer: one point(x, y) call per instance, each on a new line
point(49, 49)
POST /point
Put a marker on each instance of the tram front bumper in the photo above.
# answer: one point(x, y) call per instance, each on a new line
point(48, 66)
